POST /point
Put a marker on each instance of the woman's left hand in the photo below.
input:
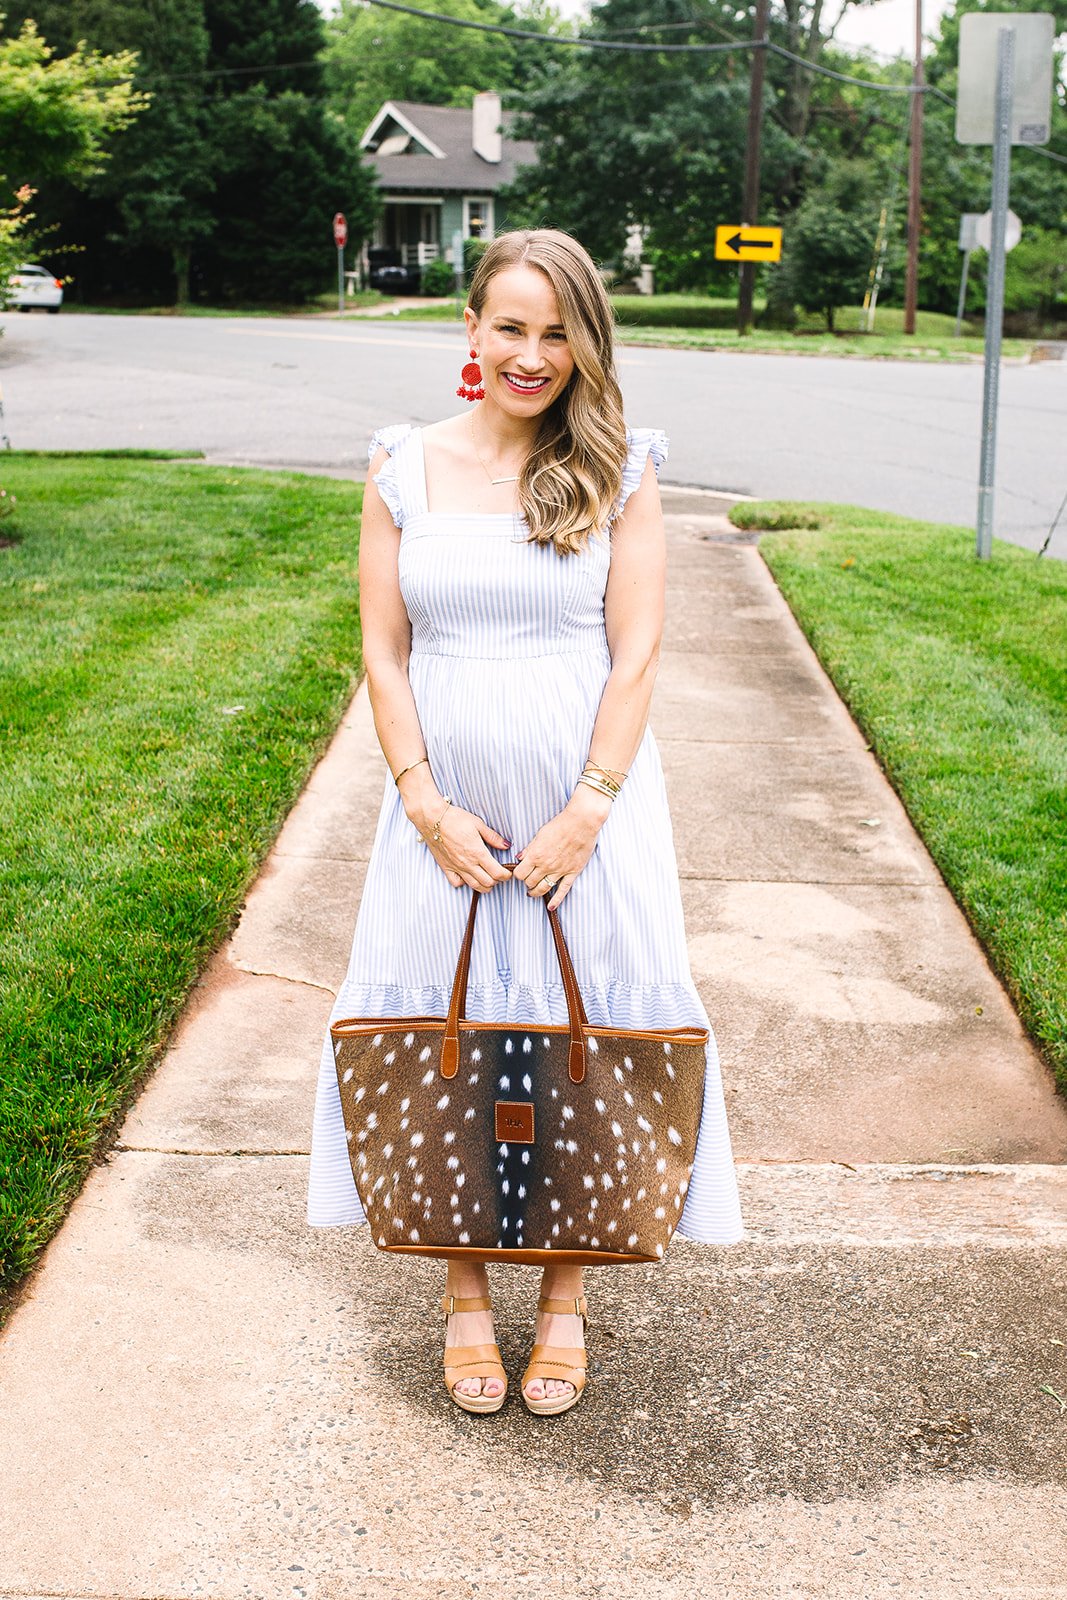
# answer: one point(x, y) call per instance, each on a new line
point(557, 853)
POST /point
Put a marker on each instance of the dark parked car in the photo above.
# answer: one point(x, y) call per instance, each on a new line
point(388, 274)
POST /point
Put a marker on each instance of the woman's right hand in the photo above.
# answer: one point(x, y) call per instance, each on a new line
point(462, 854)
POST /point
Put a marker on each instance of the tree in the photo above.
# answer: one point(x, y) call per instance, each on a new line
point(643, 139)
point(162, 177)
point(57, 115)
point(803, 98)
point(829, 240)
point(16, 237)
point(138, 221)
point(372, 56)
point(284, 168)
point(284, 163)
point(226, 183)
point(1036, 274)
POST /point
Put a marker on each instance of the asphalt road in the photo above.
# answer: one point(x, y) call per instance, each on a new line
point(899, 436)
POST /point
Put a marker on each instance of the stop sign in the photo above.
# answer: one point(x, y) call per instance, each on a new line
point(983, 230)
point(340, 230)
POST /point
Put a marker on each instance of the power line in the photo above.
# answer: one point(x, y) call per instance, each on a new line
point(686, 49)
point(843, 77)
point(226, 72)
point(569, 39)
point(629, 47)
point(632, 48)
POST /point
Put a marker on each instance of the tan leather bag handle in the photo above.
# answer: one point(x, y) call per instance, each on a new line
point(576, 1016)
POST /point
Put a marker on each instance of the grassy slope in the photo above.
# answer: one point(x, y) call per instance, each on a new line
point(956, 670)
point(179, 642)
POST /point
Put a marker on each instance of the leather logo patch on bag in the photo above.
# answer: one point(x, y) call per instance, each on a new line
point(514, 1122)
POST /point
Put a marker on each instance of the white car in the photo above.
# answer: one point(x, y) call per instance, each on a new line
point(34, 286)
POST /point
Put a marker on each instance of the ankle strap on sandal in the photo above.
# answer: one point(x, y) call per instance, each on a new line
point(451, 1303)
point(573, 1308)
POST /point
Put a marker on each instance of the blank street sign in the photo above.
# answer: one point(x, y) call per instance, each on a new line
point(976, 92)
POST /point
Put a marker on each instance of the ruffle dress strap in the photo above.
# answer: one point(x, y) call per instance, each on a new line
point(643, 442)
point(387, 478)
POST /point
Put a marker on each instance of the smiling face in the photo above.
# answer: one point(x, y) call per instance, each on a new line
point(522, 347)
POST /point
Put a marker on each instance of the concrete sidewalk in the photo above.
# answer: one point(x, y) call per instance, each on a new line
point(200, 1396)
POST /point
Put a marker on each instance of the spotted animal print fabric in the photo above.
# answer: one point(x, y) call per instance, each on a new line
point(509, 658)
point(576, 1141)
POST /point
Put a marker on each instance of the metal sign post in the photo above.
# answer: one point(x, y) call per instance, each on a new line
point(967, 242)
point(340, 239)
point(976, 233)
point(1004, 98)
point(994, 310)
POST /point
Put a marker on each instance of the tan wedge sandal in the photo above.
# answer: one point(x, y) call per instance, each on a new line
point(566, 1365)
point(472, 1360)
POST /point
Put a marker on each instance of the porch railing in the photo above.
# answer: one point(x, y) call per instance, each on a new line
point(417, 255)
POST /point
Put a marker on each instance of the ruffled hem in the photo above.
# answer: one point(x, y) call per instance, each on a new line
point(607, 1005)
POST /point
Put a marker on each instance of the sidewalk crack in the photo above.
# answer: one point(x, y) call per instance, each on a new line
point(285, 977)
point(122, 1148)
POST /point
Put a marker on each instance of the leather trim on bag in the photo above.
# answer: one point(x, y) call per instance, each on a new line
point(514, 1122)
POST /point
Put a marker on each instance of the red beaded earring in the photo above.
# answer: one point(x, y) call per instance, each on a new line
point(471, 387)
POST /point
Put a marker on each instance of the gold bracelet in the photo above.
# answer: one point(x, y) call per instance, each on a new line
point(435, 836)
point(594, 772)
point(595, 783)
point(410, 768)
point(611, 772)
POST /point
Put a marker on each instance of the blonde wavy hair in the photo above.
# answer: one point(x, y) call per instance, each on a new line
point(572, 478)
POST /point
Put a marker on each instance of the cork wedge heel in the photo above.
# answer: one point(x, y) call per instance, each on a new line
point(565, 1364)
point(472, 1360)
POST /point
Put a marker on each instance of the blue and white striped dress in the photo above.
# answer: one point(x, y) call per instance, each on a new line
point(509, 658)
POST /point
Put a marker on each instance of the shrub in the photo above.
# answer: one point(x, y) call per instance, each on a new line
point(473, 251)
point(438, 278)
point(829, 241)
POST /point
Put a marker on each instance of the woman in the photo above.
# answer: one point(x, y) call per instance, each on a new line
point(512, 587)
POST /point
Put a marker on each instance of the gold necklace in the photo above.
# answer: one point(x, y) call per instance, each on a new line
point(514, 478)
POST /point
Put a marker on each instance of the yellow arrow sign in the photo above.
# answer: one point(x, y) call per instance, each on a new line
point(739, 243)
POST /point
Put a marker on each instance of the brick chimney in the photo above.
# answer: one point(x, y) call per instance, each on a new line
point(485, 133)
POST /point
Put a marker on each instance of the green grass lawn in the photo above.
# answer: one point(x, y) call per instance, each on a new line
point(816, 342)
point(179, 643)
point(956, 670)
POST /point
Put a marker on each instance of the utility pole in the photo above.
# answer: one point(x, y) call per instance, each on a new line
point(915, 177)
point(750, 202)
